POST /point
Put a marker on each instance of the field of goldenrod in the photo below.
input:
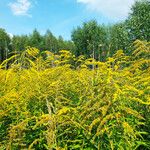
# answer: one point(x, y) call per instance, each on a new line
point(59, 102)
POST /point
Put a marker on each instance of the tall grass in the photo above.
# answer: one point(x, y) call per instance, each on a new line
point(52, 101)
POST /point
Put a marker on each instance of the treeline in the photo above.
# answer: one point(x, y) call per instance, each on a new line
point(100, 41)
point(90, 39)
point(18, 43)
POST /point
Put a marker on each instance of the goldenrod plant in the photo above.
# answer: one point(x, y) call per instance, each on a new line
point(59, 102)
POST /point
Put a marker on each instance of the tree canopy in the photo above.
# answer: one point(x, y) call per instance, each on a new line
point(4, 45)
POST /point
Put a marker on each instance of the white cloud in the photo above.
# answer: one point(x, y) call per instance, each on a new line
point(10, 35)
point(20, 7)
point(114, 9)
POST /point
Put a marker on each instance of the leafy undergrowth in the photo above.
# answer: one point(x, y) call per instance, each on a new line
point(61, 102)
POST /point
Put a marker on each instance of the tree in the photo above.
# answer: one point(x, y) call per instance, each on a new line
point(19, 43)
point(119, 39)
point(70, 46)
point(4, 45)
point(90, 39)
point(61, 43)
point(139, 21)
point(36, 40)
point(50, 42)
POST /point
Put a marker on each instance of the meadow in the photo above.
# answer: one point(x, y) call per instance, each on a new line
point(61, 102)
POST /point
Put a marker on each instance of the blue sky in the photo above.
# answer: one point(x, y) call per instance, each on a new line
point(60, 16)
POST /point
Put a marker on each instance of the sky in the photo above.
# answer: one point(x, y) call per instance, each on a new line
point(59, 16)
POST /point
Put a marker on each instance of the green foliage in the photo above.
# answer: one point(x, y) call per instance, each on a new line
point(99, 42)
point(19, 43)
point(4, 45)
point(90, 40)
point(47, 103)
point(50, 42)
point(138, 21)
point(119, 39)
point(43, 42)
